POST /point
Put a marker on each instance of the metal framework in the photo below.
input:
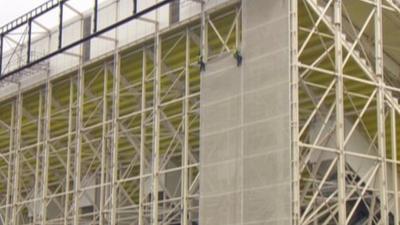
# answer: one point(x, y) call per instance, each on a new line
point(115, 141)
point(47, 8)
point(344, 100)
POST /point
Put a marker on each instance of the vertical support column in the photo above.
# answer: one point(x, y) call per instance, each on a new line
point(135, 6)
point(295, 112)
point(103, 146)
point(237, 27)
point(341, 167)
point(114, 182)
point(78, 139)
point(185, 152)
point(115, 127)
point(95, 13)
point(156, 119)
point(10, 164)
point(17, 146)
point(69, 149)
point(60, 24)
point(28, 52)
point(394, 164)
point(381, 114)
point(38, 161)
point(204, 32)
point(78, 131)
point(1, 52)
point(142, 138)
point(46, 147)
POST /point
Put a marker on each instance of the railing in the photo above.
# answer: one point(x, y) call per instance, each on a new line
point(29, 18)
point(24, 19)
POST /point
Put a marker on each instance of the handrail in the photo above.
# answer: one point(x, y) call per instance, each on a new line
point(34, 13)
point(87, 38)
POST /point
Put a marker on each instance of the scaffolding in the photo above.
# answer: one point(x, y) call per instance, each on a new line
point(114, 140)
point(344, 100)
point(246, 112)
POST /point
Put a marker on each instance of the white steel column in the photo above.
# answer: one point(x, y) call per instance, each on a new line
point(17, 146)
point(204, 32)
point(341, 167)
point(78, 140)
point(142, 138)
point(38, 161)
point(46, 147)
point(69, 149)
point(185, 150)
point(115, 127)
point(294, 93)
point(103, 146)
point(10, 164)
point(394, 164)
point(156, 119)
point(381, 113)
point(114, 147)
point(78, 133)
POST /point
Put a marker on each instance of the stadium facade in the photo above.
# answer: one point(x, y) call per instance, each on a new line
point(218, 112)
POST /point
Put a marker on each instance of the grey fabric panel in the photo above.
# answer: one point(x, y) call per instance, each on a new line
point(244, 125)
point(221, 143)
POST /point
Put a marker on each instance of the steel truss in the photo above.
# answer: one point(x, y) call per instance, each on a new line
point(117, 140)
point(344, 100)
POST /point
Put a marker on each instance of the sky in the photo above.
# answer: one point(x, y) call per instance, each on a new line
point(10, 10)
